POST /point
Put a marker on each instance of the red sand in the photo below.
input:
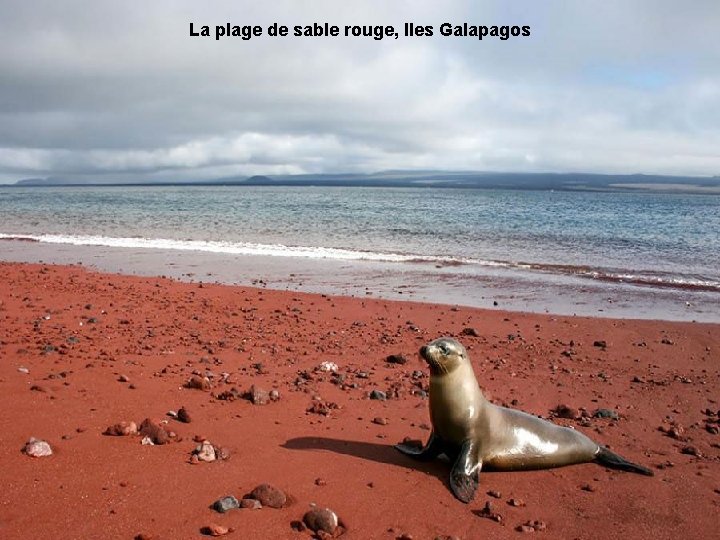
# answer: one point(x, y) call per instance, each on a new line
point(157, 332)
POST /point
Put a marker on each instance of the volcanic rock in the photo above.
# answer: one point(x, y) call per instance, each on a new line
point(258, 396)
point(215, 530)
point(154, 432)
point(251, 504)
point(269, 496)
point(122, 429)
point(321, 519)
point(205, 452)
point(199, 383)
point(396, 359)
point(225, 504)
point(183, 415)
point(606, 413)
point(563, 411)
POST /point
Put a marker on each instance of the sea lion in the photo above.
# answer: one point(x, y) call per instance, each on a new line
point(477, 434)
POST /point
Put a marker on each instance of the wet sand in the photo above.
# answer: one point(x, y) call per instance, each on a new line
point(82, 350)
point(467, 285)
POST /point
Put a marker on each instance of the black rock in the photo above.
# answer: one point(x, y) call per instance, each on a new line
point(606, 413)
point(184, 416)
point(378, 394)
point(225, 504)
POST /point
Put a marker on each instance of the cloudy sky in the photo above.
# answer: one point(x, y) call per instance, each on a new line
point(120, 90)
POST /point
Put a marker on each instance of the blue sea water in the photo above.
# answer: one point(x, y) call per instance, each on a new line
point(644, 240)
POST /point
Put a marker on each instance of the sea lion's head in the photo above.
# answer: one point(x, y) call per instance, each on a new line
point(443, 355)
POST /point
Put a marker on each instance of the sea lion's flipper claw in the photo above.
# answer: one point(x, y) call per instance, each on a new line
point(465, 474)
point(430, 451)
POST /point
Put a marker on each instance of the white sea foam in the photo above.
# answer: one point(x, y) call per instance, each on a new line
point(241, 248)
point(280, 250)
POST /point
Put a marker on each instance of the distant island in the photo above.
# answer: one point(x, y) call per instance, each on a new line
point(446, 179)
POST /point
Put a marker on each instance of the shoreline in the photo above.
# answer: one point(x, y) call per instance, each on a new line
point(99, 348)
point(488, 288)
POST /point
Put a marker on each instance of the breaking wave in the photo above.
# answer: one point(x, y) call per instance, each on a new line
point(625, 276)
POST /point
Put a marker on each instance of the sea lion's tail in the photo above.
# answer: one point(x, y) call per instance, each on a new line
point(612, 460)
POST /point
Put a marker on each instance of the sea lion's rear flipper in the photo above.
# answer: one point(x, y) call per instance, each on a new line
point(612, 460)
point(430, 451)
point(465, 474)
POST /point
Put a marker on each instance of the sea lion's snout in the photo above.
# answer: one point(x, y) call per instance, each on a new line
point(443, 355)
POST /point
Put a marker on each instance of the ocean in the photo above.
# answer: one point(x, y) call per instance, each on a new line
point(648, 255)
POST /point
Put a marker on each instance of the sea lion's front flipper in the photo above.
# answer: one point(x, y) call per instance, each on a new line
point(431, 450)
point(464, 477)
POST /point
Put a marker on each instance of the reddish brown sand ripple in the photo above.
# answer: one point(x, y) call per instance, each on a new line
point(78, 332)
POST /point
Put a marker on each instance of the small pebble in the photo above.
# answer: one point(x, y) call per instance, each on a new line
point(676, 432)
point(535, 525)
point(563, 411)
point(206, 452)
point(691, 451)
point(321, 519)
point(222, 453)
point(225, 504)
point(269, 496)
point(37, 448)
point(184, 416)
point(378, 394)
point(487, 512)
point(215, 530)
point(199, 383)
point(258, 396)
point(251, 504)
point(122, 429)
point(396, 359)
point(331, 367)
point(156, 433)
point(606, 413)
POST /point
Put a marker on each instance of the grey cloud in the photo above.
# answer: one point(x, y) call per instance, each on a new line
point(108, 88)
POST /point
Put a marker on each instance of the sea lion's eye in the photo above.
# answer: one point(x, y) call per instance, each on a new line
point(444, 349)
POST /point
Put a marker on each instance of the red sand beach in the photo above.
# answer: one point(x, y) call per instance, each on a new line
point(81, 351)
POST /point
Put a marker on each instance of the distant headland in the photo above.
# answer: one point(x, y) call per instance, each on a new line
point(445, 179)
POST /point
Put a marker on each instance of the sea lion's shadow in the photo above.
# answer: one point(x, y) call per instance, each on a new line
point(381, 453)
